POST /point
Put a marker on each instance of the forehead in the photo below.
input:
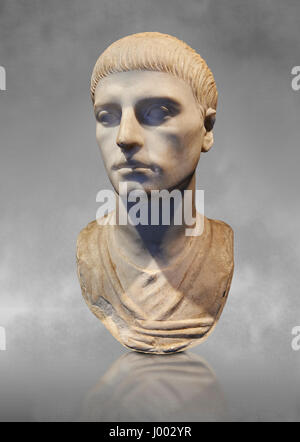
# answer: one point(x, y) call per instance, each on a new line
point(132, 86)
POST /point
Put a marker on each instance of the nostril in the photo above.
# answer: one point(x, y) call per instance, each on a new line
point(121, 145)
point(126, 146)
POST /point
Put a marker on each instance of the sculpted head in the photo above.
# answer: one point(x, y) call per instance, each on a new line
point(155, 102)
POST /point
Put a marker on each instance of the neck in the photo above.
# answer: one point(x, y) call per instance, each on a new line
point(154, 245)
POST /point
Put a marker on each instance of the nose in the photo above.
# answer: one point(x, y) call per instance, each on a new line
point(130, 131)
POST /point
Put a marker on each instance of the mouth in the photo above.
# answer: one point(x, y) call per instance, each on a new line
point(131, 165)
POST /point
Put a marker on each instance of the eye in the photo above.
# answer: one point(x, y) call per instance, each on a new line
point(156, 114)
point(108, 118)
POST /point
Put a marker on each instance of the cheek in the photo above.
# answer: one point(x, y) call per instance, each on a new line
point(105, 140)
point(176, 146)
point(102, 136)
point(193, 141)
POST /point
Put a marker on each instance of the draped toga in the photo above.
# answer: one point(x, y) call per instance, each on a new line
point(157, 310)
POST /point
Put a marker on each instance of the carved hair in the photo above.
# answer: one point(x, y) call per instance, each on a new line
point(153, 51)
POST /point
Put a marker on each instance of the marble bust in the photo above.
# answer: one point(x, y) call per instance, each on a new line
point(155, 288)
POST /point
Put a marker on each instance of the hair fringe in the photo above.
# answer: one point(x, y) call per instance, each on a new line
point(155, 51)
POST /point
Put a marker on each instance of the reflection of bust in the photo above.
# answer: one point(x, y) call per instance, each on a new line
point(155, 289)
point(140, 388)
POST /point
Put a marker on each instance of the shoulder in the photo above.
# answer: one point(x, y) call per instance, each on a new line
point(220, 228)
point(87, 257)
point(221, 239)
point(89, 240)
point(87, 234)
point(87, 247)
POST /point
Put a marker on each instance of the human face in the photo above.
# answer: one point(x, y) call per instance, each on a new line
point(149, 129)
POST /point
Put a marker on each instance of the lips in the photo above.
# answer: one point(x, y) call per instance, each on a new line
point(132, 165)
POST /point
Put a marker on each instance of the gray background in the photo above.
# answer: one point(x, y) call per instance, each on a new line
point(51, 171)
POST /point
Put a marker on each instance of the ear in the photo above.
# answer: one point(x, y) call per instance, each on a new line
point(209, 121)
